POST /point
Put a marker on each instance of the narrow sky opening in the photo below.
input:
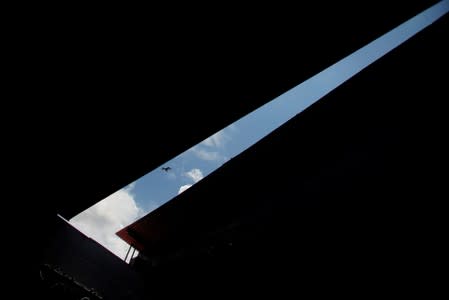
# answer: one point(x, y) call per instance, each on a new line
point(103, 219)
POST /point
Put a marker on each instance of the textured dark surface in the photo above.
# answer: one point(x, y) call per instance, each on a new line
point(86, 267)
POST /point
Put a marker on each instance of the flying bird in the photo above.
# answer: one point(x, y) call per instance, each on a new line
point(166, 169)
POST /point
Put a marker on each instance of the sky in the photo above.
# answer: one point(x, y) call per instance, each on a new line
point(104, 219)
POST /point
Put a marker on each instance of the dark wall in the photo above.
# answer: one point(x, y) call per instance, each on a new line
point(76, 255)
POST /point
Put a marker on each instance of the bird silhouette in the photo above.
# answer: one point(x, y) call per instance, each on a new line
point(166, 169)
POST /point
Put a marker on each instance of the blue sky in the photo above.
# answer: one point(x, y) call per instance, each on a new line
point(157, 187)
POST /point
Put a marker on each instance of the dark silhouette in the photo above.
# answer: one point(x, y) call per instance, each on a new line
point(166, 169)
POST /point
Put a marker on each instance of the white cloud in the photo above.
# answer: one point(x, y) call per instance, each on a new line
point(207, 155)
point(101, 221)
point(183, 188)
point(216, 140)
point(195, 174)
point(130, 186)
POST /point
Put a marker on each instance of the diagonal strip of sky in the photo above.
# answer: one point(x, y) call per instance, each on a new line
point(159, 186)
